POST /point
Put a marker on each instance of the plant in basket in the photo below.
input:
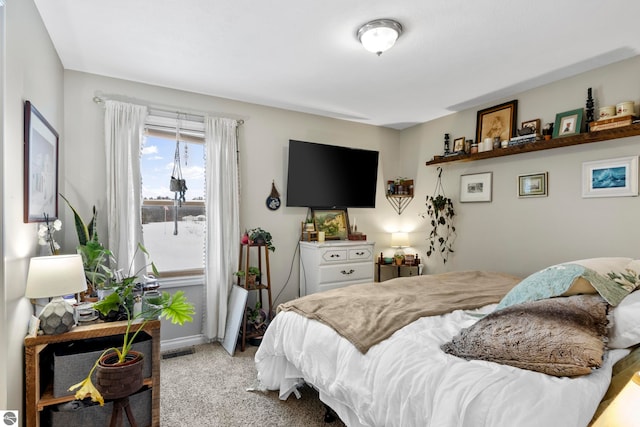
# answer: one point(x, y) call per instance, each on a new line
point(119, 369)
point(251, 277)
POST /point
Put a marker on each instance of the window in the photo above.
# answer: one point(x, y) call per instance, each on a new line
point(173, 232)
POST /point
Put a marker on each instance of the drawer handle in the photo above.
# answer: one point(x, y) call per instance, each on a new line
point(359, 253)
point(335, 256)
point(348, 272)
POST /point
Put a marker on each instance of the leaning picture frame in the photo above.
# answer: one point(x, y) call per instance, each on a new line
point(610, 178)
point(334, 223)
point(533, 185)
point(568, 123)
point(40, 167)
point(497, 121)
point(458, 145)
point(476, 187)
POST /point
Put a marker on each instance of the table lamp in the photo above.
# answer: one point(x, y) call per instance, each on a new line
point(623, 410)
point(399, 241)
point(56, 276)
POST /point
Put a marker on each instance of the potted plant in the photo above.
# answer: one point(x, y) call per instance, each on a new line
point(440, 212)
point(251, 277)
point(121, 365)
point(259, 236)
point(399, 259)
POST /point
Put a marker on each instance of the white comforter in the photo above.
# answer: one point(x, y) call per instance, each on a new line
point(408, 381)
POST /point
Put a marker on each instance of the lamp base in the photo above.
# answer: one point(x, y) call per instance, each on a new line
point(57, 317)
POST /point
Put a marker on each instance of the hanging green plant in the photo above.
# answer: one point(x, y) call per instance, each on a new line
point(440, 213)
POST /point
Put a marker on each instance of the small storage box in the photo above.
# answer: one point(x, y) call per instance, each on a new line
point(87, 413)
point(72, 361)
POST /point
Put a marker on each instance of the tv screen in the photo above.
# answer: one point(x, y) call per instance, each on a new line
point(328, 176)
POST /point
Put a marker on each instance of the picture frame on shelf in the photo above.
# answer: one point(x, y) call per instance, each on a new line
point(458, 145)
point(610, 178)
point(334, 223)
point(534, 125)
point(568, 123)
point(497, 121)
point(533, 185)
point(476, 187)
point(40, 167)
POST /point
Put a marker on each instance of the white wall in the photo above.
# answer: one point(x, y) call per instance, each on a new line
point(521, 236)
point(33, 72)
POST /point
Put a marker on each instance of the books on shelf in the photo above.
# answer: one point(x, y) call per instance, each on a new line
point(612, 123)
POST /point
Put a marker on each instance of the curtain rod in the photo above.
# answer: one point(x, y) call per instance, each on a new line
point(100, 99)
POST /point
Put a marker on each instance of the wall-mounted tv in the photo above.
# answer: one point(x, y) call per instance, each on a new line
point(328, 176)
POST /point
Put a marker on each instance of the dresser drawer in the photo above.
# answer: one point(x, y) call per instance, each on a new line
point(360, 254)
point(345, 273)
point(334, 255)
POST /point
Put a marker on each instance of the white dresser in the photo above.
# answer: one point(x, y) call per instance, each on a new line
point(334, 264)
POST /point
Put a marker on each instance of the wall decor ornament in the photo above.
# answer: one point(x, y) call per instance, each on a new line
point(476, 187)
point(273, 201)
point(497, 121)
point(568, 123)
point(610, 178)
point(533, 185)
point(40, 167)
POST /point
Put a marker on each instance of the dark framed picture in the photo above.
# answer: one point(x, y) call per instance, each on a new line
point(533, 185)
point(40, 167)
point(334, 223)
point(534, 125)
point(458, 145)
point(568, 123)
point(476, 187)
point(498, 121)
point(610, 178)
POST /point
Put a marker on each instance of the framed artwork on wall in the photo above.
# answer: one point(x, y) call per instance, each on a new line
point(568, 123)
point(497, 121)
point(334, 223)
point(533, 185)
point(40, 167)
point(610, 178)
point(476, 187)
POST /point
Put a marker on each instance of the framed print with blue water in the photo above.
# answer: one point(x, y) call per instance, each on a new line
point(610, 178)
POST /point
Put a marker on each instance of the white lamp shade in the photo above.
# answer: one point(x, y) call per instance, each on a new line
point(623, 410)
point(379, 35)
point(399, 240)
point(57, 275)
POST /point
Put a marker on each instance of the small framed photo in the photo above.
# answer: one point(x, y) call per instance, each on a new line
point(334, 223)
point(568, 123)
point(476, 187)
point(498, 121)
point(610, 178)
point(40, 167)
point(458, 145)
point(533, 185)
point(534, 125)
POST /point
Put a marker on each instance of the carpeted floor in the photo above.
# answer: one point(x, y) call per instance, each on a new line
point(209, 388)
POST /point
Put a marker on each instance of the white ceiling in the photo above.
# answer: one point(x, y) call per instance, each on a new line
point(303, 55)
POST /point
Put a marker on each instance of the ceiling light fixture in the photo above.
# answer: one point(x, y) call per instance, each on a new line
point(379, 35)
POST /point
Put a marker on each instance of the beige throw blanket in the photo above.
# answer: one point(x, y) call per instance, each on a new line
point(368, 313)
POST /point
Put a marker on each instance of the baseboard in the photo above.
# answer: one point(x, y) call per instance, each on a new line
point(177, 343)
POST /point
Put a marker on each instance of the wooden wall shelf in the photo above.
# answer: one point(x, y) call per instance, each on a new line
point(583, 138)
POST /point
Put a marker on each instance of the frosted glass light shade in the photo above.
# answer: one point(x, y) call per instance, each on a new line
point(56, 275)
point(399, 240)
point(380, 35)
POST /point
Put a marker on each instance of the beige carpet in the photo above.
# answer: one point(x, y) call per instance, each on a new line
point(209, 388)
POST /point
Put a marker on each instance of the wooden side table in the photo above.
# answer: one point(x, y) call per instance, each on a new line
point(391, 271)
point(35, 375)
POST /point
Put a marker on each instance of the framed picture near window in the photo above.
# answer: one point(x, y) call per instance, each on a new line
point(568, 123)
point(610, 178)
point(476, 187)
point(498, 121)
point(334, 223)
point(533, 185)
point(40, 167)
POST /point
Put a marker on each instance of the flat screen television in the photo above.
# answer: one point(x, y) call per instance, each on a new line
point(328, 176)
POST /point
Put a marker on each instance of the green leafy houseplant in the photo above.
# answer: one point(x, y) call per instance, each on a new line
point(251, 277)
point(174, 307)
point(261, 237)
point(443, 232)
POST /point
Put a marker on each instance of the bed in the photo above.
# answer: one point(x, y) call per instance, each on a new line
point(437, 369)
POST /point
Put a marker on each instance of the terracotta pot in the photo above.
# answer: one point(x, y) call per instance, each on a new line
point(117, 380)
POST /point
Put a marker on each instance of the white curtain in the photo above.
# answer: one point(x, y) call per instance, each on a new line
point(223, 220)
point(124, 126)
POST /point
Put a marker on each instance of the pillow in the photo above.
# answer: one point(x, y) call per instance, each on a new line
point(625, 322)
point(572, 278)
point(557, 336)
